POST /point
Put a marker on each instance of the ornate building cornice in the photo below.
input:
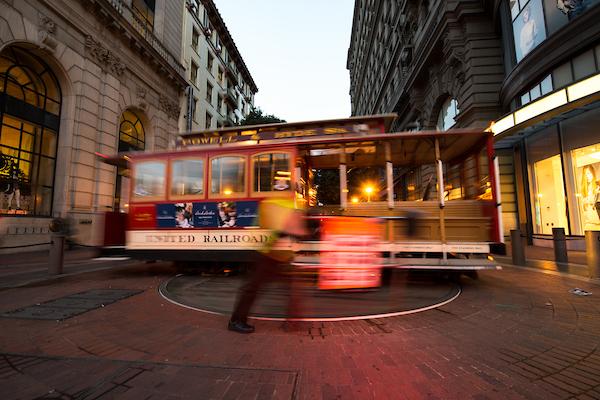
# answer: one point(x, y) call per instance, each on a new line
point(118, 16)
point(103, 56)
point(170, 107)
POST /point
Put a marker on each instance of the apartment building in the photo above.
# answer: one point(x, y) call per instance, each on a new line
point(80, 79)
point(221, 89)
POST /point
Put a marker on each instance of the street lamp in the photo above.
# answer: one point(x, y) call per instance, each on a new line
point(354, 199)
point(368, 190)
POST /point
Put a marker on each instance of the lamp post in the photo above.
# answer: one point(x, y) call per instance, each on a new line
point(368, 190)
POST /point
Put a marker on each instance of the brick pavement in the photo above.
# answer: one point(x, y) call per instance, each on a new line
point(512, 334)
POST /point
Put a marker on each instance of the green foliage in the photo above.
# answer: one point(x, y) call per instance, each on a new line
point(257, 117)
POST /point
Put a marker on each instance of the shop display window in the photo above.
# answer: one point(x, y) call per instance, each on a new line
point(549, 201)
point(546, 182)
point(586, 165)
point(29, 125)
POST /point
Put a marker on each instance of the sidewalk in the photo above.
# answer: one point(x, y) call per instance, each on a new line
point(543, 258)
point(30, 267)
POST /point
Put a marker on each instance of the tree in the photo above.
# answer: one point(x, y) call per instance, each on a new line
point(256, 117)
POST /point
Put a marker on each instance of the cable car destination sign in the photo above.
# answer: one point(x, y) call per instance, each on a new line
point(259, 134)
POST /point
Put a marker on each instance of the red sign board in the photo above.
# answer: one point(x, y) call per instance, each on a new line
point(353, 260)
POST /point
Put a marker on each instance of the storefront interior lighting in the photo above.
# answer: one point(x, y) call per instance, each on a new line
point(541, 106)
point(584, 88)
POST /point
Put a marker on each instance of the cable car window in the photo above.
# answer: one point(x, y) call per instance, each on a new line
point(228, 175)
point(272, 172)
point(187, 177)
point(149, 179)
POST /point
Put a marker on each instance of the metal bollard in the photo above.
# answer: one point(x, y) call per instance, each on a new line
point(55, 265)
point(592, 249)
point(560, 245)
point(518, 248)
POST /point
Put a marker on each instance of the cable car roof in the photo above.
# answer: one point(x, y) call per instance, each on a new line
point(407, 148)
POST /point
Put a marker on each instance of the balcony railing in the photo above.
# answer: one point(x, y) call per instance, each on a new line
point(231, 96)
point(145, 31)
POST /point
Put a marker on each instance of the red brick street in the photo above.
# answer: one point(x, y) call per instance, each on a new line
point(512, 334)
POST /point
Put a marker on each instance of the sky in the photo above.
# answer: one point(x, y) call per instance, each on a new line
point(296, 52)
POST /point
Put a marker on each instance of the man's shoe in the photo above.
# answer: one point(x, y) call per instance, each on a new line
point(240, 327)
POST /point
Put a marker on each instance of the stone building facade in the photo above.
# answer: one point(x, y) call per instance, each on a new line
point(221, 89)
point(80, 79)
point(528, 69)
point(437, 64)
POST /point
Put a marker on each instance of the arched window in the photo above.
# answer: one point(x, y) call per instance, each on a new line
point(132, 137)
point(30, 102)
point(447, 116)
point(131, 132)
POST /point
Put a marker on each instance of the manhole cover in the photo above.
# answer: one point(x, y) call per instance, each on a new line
point(69, 306)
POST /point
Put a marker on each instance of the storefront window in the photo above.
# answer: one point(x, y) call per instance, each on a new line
point(586, 165)
point(187, 177)
point(228, 175)
point(149, 179)
point(549, 201)
point(271, 172)
point(546, 182)
point(29, 122)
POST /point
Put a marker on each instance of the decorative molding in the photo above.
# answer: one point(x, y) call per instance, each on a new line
point(141, 97)
point(170, 107)
point(47, 29)
point(104, 57)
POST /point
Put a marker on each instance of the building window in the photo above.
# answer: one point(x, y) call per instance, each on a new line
point(208, 120)
point(196, 108)
point(143, 13)
point(132, 137)
point(131, 132)
point(195, 38)
point(221, 76)
point(210, 62)
point(541, 89)
point(209, 92)
point(193, 73)
point(586, 166)
point(447, 116)
point(196, 7)
point(29, 117)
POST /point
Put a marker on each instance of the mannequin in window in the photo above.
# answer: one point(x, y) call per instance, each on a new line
point(590, 194)
point(13, 189)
